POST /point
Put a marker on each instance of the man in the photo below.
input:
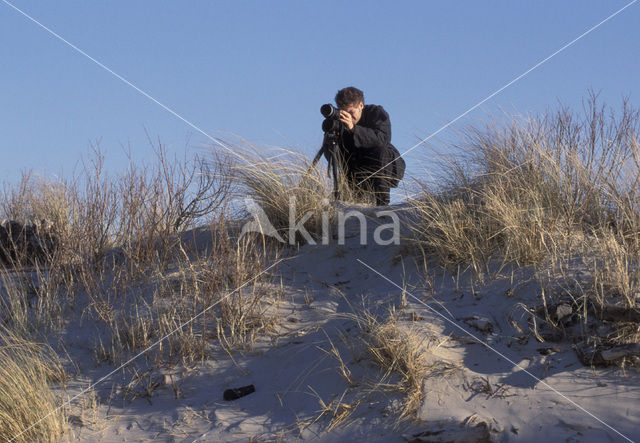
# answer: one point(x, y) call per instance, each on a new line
point(367, 149)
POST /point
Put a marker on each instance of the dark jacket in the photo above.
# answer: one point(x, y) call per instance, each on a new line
point(367, 146)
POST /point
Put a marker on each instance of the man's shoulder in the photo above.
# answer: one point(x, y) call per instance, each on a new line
point(374, 111)
point(374, 108)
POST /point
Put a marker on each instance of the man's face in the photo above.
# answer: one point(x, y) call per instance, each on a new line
point(355, 110)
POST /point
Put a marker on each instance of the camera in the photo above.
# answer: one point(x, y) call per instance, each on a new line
point(331, 115)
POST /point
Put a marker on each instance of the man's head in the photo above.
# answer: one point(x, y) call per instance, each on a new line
point(351, 100)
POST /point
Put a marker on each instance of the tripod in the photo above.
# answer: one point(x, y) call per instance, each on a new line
point(330, 147)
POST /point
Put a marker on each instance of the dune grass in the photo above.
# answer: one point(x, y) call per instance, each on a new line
point(401, 351)
point(554, 191)
point(546, 192)
point(293, 194)
point(26, 400)
point(288, 190)
point(124, 263)
point(522, 190)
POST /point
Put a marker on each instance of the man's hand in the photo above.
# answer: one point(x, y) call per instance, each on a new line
point(347, 119)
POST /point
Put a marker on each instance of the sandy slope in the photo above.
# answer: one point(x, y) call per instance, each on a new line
point(291, 370)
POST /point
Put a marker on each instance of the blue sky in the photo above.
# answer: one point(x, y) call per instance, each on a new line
point(261, 70)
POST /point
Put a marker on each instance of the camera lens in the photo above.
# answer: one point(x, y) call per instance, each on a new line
point(328, 111)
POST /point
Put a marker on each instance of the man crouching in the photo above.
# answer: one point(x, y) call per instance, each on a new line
point(365, 149)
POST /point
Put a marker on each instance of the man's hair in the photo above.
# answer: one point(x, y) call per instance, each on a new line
point(349, 96)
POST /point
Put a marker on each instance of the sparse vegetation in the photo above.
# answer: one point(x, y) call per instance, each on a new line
point(124, 261)
point(150, 262)
point(28, 408)
point(401, 351)
point(554, 191)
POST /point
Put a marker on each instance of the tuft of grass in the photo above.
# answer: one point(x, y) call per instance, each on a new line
point(25, 398)
point(400, 351)
point(291, 193)
point(616, 270)
point(451, 230)
point(33, 302)
point(337, 411)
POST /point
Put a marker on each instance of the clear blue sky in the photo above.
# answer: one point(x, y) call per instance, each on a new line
point(261, 70)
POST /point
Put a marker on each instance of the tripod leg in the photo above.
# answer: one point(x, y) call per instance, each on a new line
point(334, 165)
point(316, 158)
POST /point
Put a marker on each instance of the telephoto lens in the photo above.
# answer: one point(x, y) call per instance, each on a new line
point(329, 111)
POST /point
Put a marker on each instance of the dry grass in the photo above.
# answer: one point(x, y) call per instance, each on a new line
point(337, 411)
point(179, 296)
point(121, 261)
point(25, 398)
point(36, 198)
point(343, 368)
point(614, 263)
point(291, 194)
point(557, 191)
point(401, 351)
point(521, 190)
point(142, 211)
point(33, 302)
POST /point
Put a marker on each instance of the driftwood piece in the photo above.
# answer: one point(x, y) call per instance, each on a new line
point(618, 314)
point(607, 355)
